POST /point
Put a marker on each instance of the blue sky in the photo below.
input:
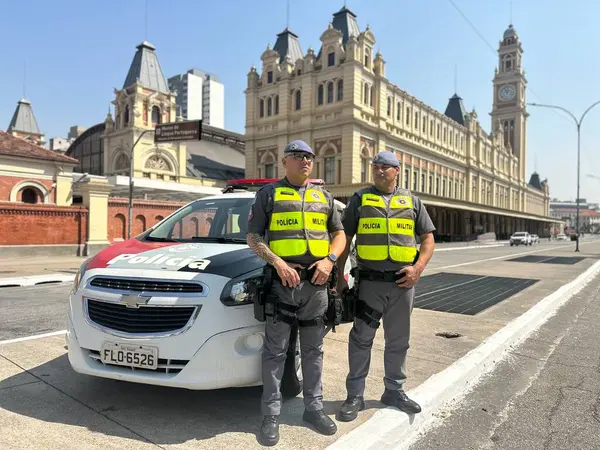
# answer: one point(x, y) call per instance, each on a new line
point(77, 52)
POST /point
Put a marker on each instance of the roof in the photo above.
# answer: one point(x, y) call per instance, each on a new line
point(202, 167)
point(456, 110)
point(288, 44)
point(345, 21)
point(23, 119)
point(14, 146)
point(145, 69)
point(535, 181)
point(510, 32)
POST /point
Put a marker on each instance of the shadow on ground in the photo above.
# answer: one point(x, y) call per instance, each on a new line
point(160, 415)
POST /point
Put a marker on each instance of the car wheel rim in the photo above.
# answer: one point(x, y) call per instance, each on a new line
point(298, 359)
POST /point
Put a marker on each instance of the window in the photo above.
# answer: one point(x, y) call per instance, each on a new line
point(372, 92)
point(366, 94)
point(262, 108)
point(415, 180)
point(330, 92)
point(416, 120)
point(367, 57)
point(155, 115)
point(298, 103)
point(422, 182)
point(320, 95)
point(364, 167)
point(31, 195)
point(269, 106)
point(408, 116)
point(340, 90)
point(398, 111)
point(331, 59)
point(126, 116)
point(330, 169)
point(439, 129)
point(431, 127)
point(406, 178)
point(389, 106)
point(277, 104)
point(424, 124)
point(270, 76)
point(444, 188)
point(430, 190)
point(269, 170)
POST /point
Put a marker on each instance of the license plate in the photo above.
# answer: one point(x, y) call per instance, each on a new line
point(129, 355)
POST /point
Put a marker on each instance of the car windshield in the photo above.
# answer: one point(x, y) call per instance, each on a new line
point(519, 234)
point(219, 220)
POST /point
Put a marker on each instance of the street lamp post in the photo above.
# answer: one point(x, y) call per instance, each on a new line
point(578, 124)
point(131, 183)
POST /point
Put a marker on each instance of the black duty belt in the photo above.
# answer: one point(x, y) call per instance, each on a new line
point(304, 274)
point(373, 275)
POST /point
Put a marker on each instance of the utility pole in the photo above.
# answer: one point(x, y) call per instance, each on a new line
point(130, 219)
point(578, 124)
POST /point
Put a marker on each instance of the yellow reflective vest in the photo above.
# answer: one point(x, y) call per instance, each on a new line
point(386, 232)
point(298, 225)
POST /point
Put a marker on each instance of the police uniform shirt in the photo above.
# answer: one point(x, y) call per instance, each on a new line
point(260, 215)
point(423, 224)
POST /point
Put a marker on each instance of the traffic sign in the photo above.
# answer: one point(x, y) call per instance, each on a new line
point(190, 130)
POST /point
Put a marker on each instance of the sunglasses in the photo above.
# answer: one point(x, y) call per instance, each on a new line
point(302, 157)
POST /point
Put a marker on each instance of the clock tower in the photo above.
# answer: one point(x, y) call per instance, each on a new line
point(509, 107)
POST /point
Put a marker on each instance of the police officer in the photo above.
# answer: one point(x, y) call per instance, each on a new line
point(294, 226)
point(386, 221)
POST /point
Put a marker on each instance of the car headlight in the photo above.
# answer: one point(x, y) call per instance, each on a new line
point(238, 291)
point(79, 275)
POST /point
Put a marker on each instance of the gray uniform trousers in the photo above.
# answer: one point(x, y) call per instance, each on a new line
point(396, 305)
point(312, 302)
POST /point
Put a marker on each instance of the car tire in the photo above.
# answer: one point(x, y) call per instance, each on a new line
point(292, 381)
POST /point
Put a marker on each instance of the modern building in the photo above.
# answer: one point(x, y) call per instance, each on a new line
point(24, 124)
point(200, 95)
point(339, 100)
point(566, 211)
point(144, 101)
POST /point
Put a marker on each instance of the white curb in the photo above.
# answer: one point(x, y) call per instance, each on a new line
point(37, 279)
point(390, 428)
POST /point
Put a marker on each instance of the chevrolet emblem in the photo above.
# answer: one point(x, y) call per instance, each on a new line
point(134, 301)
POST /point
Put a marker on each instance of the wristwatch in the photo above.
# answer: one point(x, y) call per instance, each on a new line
point(332, 257)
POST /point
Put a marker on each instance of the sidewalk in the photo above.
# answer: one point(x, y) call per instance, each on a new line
point(35, 270)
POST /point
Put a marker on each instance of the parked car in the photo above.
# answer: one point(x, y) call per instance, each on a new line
point(172, 306)
point(561, 237)
point(521, 238)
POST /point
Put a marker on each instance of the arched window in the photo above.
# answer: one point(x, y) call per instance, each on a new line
point(31, 195)
point(118, 229)
point(155, 115)
point(389, 106)
point(298, 104)
point(340, 90)
point(277, 104)
point(269, 106)
point(330, 92)
point(262, 107)
point(139, 225)
point(364, 165)
point(320, 95)
point(507, 63)
point(366, 94)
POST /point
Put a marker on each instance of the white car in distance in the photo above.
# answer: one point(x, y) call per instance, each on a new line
point(521, 238)
point(172, 307)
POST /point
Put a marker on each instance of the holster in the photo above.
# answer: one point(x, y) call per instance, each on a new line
point(260, 292)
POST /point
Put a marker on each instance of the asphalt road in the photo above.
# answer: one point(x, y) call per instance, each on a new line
point(546, 395)
point(26, 311)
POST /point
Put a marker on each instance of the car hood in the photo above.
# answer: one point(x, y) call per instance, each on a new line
point(229, 260)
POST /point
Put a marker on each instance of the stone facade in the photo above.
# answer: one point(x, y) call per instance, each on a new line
point(340, 102)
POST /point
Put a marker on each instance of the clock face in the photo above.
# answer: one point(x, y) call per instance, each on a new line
point(507, 92)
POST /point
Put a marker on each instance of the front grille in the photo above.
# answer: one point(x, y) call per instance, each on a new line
point(167, 366)
point(145, 319)
point(129, 284)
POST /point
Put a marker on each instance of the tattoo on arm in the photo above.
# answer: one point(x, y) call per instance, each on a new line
point(262, 250)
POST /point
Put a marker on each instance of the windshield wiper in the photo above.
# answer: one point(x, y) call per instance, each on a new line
point(159, 239)
point(220, 239)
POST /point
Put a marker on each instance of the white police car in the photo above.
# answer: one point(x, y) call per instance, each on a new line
point(171, 306)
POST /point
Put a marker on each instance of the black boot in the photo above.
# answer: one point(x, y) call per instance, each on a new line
point(320, 421)
point(269, 432)
point(349, 410)
point(399, 399)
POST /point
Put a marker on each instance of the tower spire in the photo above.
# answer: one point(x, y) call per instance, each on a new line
point(510, 17)
point(287, 23)
point(456, 78)
point(25, 79)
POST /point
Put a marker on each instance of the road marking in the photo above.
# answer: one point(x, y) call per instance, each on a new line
point(35, 336)
point(491, 259)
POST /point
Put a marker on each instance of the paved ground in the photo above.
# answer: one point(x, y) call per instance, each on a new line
point(39, 391)
point(42, 265)
point(545, 396)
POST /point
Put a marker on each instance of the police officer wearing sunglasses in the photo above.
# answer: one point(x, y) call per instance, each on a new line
point(386, 221)
point(294, 226)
